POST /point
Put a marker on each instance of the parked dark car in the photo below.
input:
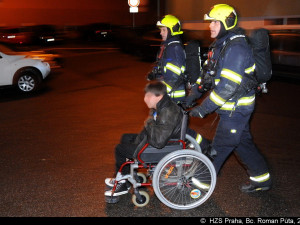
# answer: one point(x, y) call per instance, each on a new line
point(15, 36)
point(147, 45)
point(285, 53)
point(96, 32)
point(145, 42)
point(30, 35)
point(130, 41)
point(44, 34)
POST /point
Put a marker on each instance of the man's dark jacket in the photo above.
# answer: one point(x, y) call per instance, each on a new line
point(167, 125)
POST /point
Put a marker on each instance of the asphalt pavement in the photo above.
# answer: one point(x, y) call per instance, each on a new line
point(56, 146)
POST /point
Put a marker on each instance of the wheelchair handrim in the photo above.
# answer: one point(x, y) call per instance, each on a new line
point(175, 156)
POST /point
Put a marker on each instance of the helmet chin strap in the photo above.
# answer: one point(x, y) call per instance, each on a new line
point(222, 32)
point(169, 33)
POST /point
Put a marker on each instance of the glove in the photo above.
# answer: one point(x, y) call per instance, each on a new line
point(150, 76)
point(188, 103)
point(207, 83)
point(190, 100)
point(194, 113)
point(197, 112)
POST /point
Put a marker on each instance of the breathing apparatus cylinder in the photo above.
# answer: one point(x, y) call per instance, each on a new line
point(208, 76)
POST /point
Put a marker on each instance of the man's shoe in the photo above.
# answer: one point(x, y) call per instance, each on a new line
point(121, 189)
point(110, 182)
point(250, 188)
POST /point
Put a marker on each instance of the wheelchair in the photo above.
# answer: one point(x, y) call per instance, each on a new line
point(181, 176)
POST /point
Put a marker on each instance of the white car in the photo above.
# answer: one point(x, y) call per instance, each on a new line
point(23, 71)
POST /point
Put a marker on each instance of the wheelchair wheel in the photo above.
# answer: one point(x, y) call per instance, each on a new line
point(192, 144)
point(145, 199)
point(184, 179)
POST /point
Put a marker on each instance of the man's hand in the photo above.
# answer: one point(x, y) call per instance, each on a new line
point(149, 121)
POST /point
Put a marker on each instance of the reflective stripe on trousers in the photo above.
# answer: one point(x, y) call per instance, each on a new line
point(233, 134)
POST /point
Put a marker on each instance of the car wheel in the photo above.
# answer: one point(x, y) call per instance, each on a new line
point(28, 80)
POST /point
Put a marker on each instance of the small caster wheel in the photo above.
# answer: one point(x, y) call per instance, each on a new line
point(141, 178)
point(145, 199)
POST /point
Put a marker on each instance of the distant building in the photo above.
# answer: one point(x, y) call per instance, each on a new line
point(254, 13)
point(79, 12)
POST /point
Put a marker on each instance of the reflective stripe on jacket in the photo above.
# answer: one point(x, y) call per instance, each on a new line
point(172, 65)
point(234, 63)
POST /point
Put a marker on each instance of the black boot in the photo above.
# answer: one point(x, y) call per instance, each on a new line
point(210, 152)
point(250, 187)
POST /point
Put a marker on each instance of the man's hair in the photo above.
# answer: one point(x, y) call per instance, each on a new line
point(156, 87)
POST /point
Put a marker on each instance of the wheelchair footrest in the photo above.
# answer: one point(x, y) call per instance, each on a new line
point(112, 199)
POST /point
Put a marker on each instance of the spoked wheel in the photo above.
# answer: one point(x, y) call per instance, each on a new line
point(184, 179)
point(28, 80)
point(144, 201)
point(191, 143)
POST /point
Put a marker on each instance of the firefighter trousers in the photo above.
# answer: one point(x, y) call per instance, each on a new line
point(233, 134)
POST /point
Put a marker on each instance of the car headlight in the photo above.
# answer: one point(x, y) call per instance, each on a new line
point(41, 56)
point(36, 57)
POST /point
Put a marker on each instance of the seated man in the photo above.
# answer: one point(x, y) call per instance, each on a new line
point(163, 124)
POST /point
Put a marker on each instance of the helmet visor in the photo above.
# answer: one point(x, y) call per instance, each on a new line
point(159, 24)
point(207, 17)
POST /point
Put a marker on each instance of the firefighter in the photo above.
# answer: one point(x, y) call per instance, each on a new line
point(170, 70)
point(170, 59)
point(228, 67)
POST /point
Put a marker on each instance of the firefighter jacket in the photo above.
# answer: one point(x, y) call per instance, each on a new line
point(171, 63)
point(163, 124)
point(232, 71)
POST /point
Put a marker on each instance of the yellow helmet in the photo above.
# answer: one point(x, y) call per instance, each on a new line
point(224, 13)
point(172, 23)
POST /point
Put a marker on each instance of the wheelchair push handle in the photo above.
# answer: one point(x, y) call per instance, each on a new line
point(185, 108)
